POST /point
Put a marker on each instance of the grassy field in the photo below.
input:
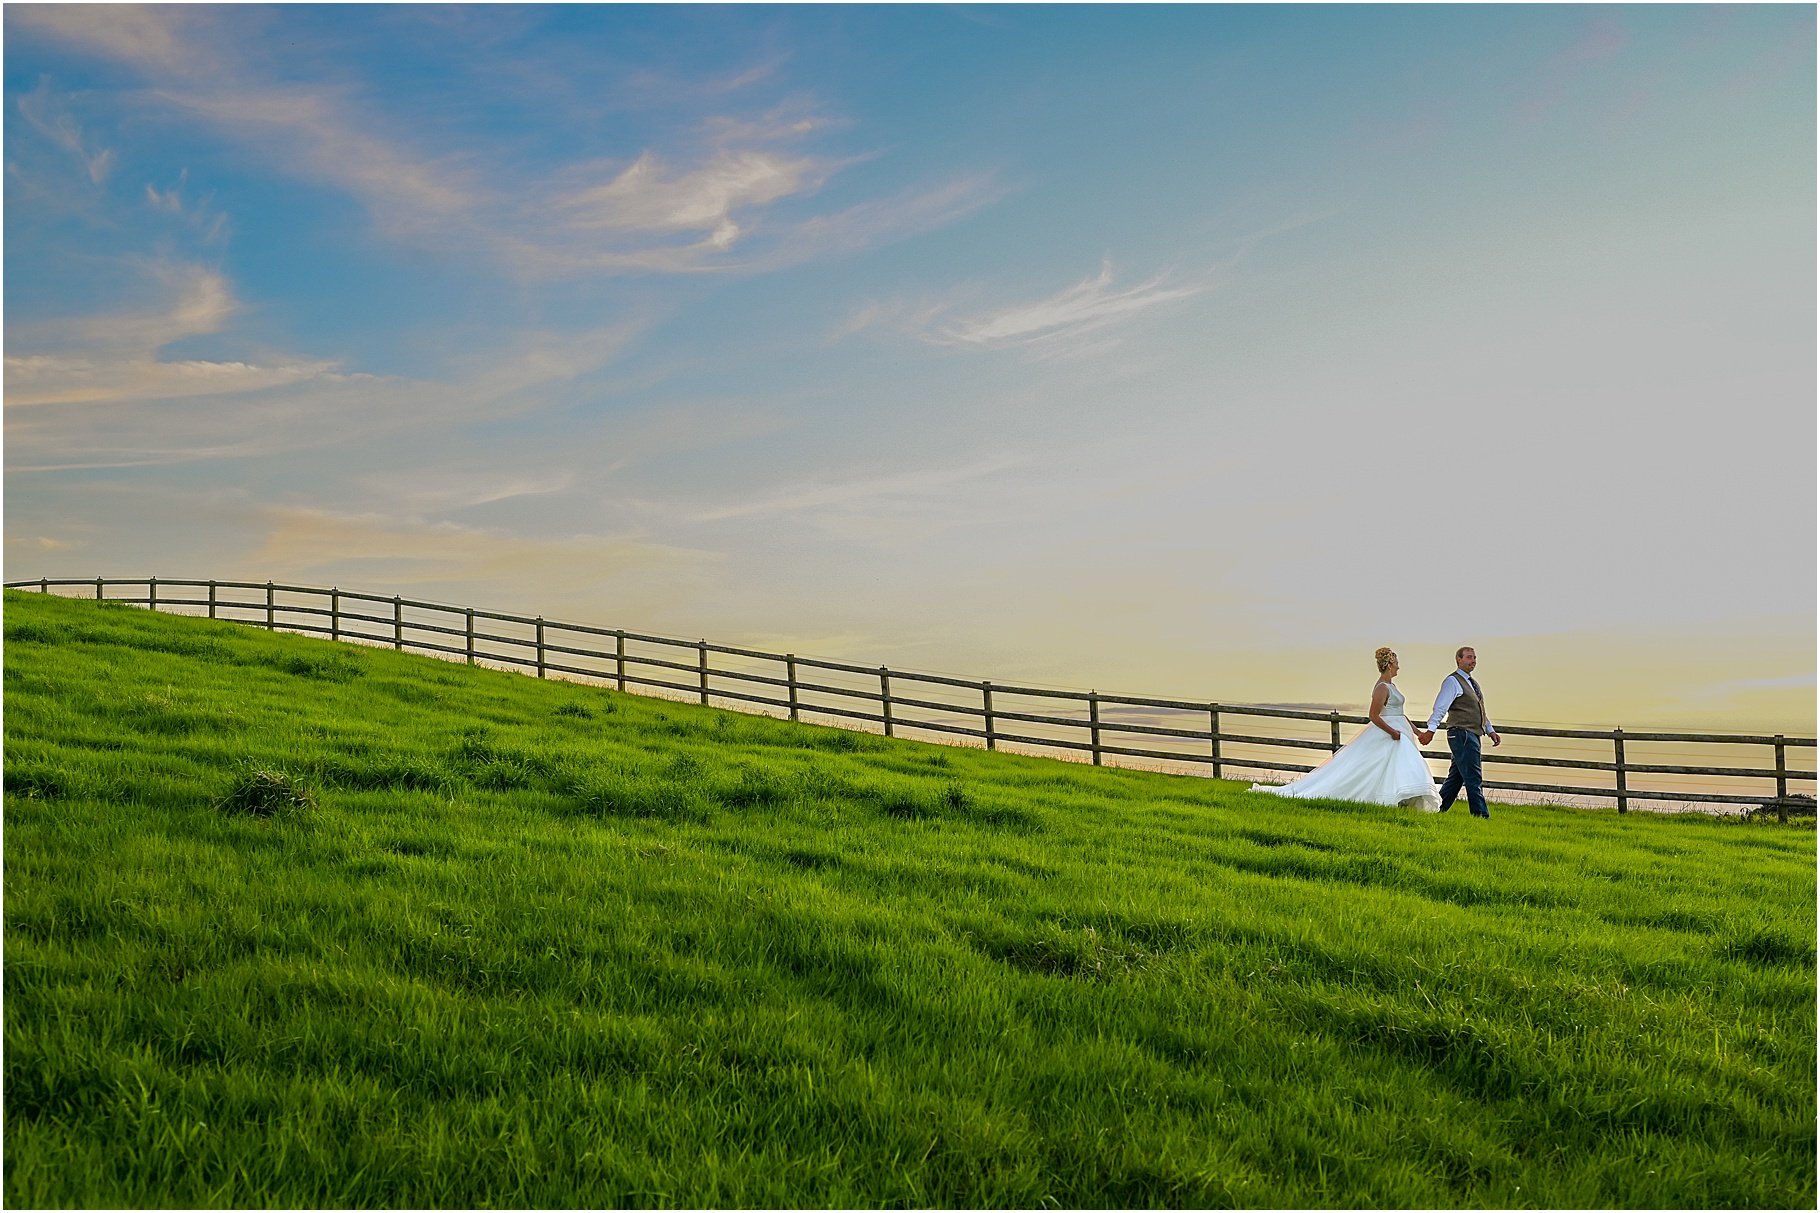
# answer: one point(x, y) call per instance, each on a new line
point(536, 944)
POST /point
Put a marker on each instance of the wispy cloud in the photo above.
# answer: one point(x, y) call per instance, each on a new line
point(152, 37)
point(908, 212)
point(913, 486)
point(787, 121)
point(45, 379)
point(446, 488)
point(140, 410)
point(318, 133)
point(99, 359)
point(40, 545)
point(210, 225)
point(138, 457)
point(646, 86)
point(647, 197)
point(192, 300)
point(41, 109)
point(526, 360)
point(1090, 306)
point(749, 247)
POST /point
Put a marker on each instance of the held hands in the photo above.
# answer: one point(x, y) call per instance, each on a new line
point(1425, 735)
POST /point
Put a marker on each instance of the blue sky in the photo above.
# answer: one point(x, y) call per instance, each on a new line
point(1174, 349)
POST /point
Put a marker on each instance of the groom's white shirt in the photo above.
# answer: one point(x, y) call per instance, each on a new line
point(1450, 691)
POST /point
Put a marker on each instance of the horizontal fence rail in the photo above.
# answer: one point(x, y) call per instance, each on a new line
point(1219, 737)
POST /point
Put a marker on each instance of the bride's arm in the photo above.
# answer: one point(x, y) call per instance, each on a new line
point(1379, 695)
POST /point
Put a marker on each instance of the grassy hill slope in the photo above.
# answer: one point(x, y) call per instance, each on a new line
point(537, 944)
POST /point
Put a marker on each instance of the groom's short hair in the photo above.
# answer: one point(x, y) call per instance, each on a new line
point(1462, 651)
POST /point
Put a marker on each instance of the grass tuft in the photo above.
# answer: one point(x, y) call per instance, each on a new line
point(396, 774)
point(323, 667)
point(1759, 947)
point(37, 783)
point(35, 633)
point(905, 806)
point(609, 795)
point(264, 792)
point(756, 787)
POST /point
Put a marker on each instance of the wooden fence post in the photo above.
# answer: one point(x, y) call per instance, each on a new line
point(398, 623)
point(1617, 747)
point(470, 611)
point(1093, 724)
point(703, 664)
point(991, 733)
point(620, 657)
point(1781, 782)
point(1333, 723)
point(151, 593)
point(270, 611)
point(211, 600)
point(790, 681)
point(1213, 729)
point(334, 612)
point(540, 669)
point(884, 697)
point(44, 585)
point(98, 593)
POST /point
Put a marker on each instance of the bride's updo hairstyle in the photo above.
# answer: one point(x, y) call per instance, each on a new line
point(1384, 655)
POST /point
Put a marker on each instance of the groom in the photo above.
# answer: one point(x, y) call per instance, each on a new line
point(1462, 705)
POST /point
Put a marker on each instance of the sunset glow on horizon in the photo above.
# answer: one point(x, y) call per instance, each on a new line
point(1173, 350)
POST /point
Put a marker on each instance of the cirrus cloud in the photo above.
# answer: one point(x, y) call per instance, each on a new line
point(1089, 306)
point(647, 198)
point(42, 110)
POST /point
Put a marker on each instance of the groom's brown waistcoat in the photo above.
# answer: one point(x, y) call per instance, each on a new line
point(1467, 711)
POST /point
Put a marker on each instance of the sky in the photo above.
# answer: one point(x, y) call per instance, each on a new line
point(1173, 350)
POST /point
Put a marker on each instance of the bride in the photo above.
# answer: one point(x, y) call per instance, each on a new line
point(1381, 765)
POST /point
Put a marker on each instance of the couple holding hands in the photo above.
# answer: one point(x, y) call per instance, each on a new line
point(1383, 765)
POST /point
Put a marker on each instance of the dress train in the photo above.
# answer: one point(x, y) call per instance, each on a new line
point(1371, 768)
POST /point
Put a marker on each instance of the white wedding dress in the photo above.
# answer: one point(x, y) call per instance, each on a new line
point(1371, 768)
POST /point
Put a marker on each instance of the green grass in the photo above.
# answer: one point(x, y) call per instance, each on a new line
point(503, 942)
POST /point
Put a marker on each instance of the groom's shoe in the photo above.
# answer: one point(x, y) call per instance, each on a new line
point(1486, 816)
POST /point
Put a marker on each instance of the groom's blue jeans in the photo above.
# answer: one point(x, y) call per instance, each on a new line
point(1468, 771)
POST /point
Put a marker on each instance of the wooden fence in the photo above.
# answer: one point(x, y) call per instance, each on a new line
point(1085, 723)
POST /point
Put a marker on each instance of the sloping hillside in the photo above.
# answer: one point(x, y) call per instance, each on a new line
point(503, 942)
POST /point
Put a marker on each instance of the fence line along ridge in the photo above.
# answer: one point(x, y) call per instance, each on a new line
point(543, 651)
